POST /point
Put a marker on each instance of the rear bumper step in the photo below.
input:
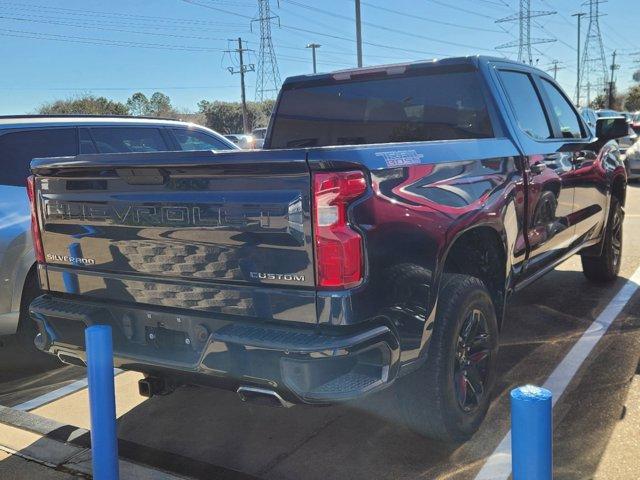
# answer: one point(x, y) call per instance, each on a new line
point(300, 363)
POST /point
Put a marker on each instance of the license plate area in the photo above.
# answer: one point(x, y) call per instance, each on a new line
point(166, 339)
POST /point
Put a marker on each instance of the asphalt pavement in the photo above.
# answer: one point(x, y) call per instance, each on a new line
point(207, 433)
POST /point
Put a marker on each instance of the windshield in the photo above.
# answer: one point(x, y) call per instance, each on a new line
point(417, 107)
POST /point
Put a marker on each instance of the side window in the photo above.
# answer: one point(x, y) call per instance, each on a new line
point(196, 140)
point(19, 148)
point(128, 139)
point(563, 111)
point(86, 142)
point(526, 104)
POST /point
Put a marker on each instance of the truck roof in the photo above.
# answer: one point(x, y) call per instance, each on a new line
point(474, 60)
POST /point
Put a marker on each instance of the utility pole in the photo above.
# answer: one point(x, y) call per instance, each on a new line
point(313, 47)
point(242, 70)
point(579, 15)
point(358, 33)
point(614, 67)
point(555, 68)
point(589, 94)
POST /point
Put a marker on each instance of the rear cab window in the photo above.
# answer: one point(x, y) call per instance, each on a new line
point(419, 105)
point(17, 149)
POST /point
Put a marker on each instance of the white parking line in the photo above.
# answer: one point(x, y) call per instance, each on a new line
point(498, 465)
point(56, 394)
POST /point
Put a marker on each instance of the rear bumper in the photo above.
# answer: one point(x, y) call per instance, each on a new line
point(303, 364)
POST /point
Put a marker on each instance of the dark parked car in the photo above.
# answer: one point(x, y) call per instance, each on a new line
point(374, 241)
point(24, 137)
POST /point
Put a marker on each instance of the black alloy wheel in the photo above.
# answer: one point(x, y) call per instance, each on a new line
point(473, 354)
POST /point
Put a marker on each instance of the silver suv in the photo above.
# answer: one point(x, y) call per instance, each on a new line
point(23, 138)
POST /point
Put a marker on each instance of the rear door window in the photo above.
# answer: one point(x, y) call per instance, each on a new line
point(420, 106)
point(17, 149)
point(196, 140)
point(526, 104)
point(128, 139)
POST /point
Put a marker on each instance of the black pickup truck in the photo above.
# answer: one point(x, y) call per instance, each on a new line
point(378, 235)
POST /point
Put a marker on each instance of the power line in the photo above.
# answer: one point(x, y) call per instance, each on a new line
point(193, 2)
point(431, 20)
point(380, 45)
point(94, 13)
point(103, 42)
point(96, 27)
point(109, 89)
point(460, 9)
point(614, 31)
point(389, 29)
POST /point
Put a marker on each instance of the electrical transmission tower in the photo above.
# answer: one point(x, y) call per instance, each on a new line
point(268, 78)
point(593, 68)
point(524, 42)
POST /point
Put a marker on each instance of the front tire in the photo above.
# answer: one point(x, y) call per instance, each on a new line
point(448, 397)
point(606, 267)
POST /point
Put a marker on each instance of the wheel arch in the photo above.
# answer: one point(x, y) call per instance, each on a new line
point(619, 188)
point(480, 251)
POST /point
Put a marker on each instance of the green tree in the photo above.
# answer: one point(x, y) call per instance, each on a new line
point(160, 105)
point(226, 117)
point(599, 102)
point(632, 102)
point(138, 104)
point(86, 104)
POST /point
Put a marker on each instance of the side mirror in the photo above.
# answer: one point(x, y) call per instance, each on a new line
point(611, 128)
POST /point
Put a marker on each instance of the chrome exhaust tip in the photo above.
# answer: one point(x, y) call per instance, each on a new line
point(262, 396)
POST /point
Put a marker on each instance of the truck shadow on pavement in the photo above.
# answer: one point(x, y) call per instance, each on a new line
point(368, 440)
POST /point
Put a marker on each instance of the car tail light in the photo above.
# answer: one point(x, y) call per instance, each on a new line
point(338, 248)
point(35, 226)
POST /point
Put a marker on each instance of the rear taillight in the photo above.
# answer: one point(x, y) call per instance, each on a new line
point(35, 226)
point(338, 248)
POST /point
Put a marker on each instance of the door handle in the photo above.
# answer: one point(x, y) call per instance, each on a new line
point(538, 168)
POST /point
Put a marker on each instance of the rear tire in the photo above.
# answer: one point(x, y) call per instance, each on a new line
point(448, 397)
point(27, 328)
point(605, 267)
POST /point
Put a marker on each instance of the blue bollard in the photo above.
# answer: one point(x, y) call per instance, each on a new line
point(102, 404)
point(531, 433)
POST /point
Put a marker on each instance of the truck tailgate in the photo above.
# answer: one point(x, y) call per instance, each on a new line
point(218, 232)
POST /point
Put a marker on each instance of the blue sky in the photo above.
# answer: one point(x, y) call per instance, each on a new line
point(59, 48)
